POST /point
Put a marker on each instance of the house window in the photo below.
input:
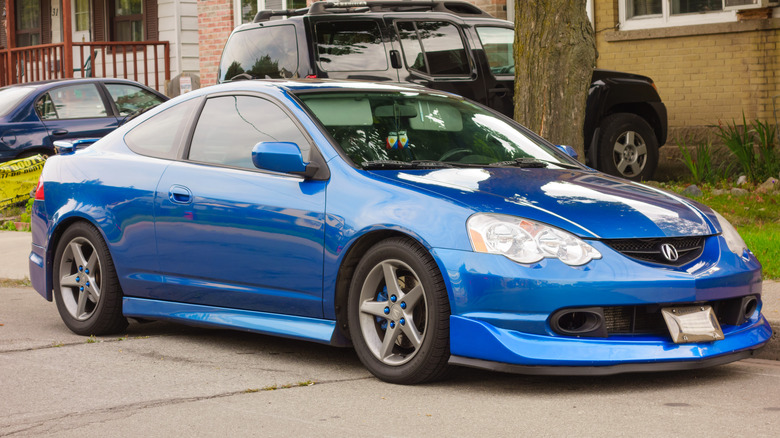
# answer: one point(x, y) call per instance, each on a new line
point(128, 20)
point(81, 12)
point(28, 23)
point(647, 14)
point(245, 10)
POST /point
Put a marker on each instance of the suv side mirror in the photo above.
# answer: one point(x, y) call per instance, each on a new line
point(284, 157)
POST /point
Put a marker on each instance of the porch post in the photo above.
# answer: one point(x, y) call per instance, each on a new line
point(67, 39)
point(10, 30)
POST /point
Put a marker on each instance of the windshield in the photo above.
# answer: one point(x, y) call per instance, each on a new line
point(11, 96)
point(410, 129)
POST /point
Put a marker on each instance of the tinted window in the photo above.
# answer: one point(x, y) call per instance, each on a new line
point(160, 135)
point(72, 102)
point(130, 99)
point(350, 46)
point(230, 126)
point(266, 52)
point(498, 43)
point(435, 48)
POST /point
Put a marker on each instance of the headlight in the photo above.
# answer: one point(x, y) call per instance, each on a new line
point(526, 241)
point(733, 240)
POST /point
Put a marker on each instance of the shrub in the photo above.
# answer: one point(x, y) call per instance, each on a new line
point(753, 146)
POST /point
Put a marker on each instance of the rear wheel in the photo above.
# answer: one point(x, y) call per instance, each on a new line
point(86, 287)
point(399, 313)
point(628, 147)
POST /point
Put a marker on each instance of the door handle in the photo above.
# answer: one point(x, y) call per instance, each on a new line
point(179, 194)
point(500, 91)
point(60, 131)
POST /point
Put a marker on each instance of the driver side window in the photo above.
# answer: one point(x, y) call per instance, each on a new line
point(230, 126)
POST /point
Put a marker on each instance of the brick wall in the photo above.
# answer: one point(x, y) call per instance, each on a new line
point(215, 22)
point(704, 73)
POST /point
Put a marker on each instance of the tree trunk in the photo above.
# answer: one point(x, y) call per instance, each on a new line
point(555, 53)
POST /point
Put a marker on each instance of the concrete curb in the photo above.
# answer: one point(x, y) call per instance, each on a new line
point(15, 250)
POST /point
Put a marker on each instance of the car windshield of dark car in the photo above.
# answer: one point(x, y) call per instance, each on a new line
point(409, 129)
point(11, 96)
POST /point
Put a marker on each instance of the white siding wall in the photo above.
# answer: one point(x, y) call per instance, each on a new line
point(178, 24)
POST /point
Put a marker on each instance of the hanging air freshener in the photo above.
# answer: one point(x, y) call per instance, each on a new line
point(403, 139)
point(392, 140)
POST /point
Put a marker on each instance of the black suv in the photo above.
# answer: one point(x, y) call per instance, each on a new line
point(446, 45)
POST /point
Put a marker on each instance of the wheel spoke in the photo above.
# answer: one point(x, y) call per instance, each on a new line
point(69, 281)
point(619, 147)
point(81, 308)
point(413, 296)
point(621, 166)
point(641, 150)
point(630, 138)
point(411, 333)
point(92, 263)
point(94, 290)
point(386, 350)
point(78, 255)
point(391, 279)
point(376, 308)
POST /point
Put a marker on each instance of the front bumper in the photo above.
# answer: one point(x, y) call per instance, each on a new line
point(501, 311)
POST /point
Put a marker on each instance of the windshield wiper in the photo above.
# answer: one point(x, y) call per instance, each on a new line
point(521, 162)
point(395, 164)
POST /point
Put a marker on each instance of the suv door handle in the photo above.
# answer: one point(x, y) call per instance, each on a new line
point(60, 131)
point(179, 194)
point(395, 59)
point(499, 91)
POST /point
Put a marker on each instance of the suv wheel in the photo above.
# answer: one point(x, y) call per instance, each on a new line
point(627, 147)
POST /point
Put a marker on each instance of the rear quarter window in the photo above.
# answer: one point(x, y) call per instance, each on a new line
point(264, 52)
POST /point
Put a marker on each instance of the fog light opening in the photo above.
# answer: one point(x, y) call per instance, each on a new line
point(749, 307)
point(580, 322)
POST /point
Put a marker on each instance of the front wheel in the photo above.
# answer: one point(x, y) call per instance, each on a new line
point(86, 287)
point(399, 313)
point(628, 147)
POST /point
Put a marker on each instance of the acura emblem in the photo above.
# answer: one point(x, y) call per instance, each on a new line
point(669, 252)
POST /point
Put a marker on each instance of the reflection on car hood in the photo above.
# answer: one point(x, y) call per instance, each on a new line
point(588, 204)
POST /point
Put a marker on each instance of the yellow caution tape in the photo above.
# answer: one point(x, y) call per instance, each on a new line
point(18, 178)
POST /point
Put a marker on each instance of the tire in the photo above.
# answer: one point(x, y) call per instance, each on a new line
point(398, 291)
point(628, 147)
point(86, 287)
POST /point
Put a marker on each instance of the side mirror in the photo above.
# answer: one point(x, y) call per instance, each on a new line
point(65, 147)
point(284, 157)
point(568, 150)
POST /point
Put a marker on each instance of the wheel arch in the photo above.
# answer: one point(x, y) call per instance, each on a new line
point(354, 253)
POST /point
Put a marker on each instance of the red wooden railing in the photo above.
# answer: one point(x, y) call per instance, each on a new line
point(147, 62)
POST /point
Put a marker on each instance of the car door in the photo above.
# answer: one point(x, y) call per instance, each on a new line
point(436, 55)
point(75, 111)
point(497, 47)
point(231, 235)
point(353, 49)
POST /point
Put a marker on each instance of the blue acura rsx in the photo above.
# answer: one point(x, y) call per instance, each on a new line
point(419, 227)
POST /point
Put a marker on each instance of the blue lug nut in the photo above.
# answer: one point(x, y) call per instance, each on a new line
point(387, 310)
point(403, 304)
point(393, 299)
point(392, 324)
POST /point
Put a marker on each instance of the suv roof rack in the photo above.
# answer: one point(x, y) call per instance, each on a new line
point(456, 7)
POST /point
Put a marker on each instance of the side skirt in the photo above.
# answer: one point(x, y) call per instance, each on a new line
point(296, 327)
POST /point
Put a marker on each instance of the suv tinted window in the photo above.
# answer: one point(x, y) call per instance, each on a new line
point(435, 48)
point(230, 126)
point(350, 46)
point(498, 43)
point(262, 52)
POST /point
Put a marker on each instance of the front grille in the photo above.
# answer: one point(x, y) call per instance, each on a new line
point(649, 250)
point(647, 319)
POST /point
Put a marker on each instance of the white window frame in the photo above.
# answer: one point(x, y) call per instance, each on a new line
point(666, 19)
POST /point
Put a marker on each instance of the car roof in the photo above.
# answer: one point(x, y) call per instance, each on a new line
point(51, 83)
point(296, 86)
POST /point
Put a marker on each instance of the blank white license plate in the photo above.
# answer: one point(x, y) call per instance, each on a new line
point(692, 324)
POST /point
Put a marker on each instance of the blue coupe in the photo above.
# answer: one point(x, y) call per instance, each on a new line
point(419, 227)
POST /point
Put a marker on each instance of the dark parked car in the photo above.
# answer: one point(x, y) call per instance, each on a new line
point(446, 45)
point(415, 225)
point(35, 115)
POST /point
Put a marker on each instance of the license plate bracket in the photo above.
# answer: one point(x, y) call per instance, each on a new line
point(689, 324)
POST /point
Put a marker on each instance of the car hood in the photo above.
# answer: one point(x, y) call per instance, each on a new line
point(587, 203)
